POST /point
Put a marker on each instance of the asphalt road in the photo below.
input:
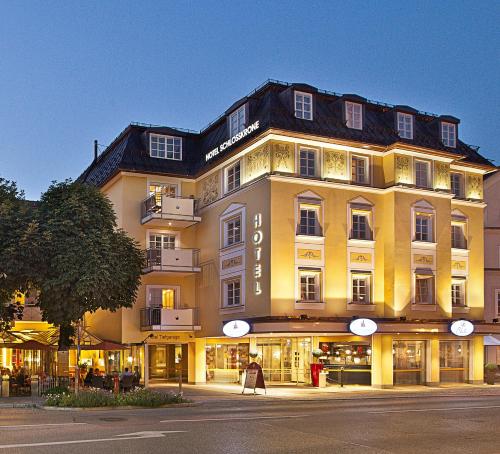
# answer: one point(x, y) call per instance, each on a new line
point(372, 425)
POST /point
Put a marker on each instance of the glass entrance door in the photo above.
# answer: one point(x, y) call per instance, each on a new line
point(167, 361)
point(453, 361)
point(409, 362)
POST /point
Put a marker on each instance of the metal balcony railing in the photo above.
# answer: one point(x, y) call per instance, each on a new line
point(175, 259)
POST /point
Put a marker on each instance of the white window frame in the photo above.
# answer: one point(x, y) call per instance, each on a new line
point(432, 289)
point(318, 284)
point(427, 164)
point(237, 120)
point(176, 141)
point(449, 134)
point(226, 224)
point(225, 296)
point(405, 125)
point(315, 153)
point(365, 212)
point(463, 284)
point(163, 242)
point(361, 275)
point(175, 288)
point(231, 168)
point(366, 162)
point(461, 181)
point(301, 112)
point(425, 209)
point(352, 111)
point(463, 226)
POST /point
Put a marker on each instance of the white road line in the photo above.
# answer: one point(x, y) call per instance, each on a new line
point(237, 418)
point(141, 436)
point(20, 426)
point(432, 409)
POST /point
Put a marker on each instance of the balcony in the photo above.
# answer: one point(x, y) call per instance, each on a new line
point(173, 212)
point(161, 319)
point(176, 260)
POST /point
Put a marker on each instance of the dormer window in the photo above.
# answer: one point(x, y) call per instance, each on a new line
point(354, 115)
point(449, 134)
point(165, 147)
point(303, 105)
point(237, 121)
point(405, 125)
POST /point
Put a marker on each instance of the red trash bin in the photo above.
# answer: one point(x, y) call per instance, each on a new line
point(315, 370)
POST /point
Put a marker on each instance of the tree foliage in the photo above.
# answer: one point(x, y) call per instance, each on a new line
point(84, 263)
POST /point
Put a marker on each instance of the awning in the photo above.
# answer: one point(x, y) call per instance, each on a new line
point(491, 340)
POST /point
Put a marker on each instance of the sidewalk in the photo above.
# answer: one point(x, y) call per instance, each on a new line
point(214, 392)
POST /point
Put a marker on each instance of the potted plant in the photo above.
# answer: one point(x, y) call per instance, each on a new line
point(316, 367)
point(490, 370)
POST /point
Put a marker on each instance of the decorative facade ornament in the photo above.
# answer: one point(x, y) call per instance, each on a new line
point(442, 175)
point(403, 169)
point(209, 189)
point(257, 162)
point(474, 187)
point(282, 157)
point(335, 164)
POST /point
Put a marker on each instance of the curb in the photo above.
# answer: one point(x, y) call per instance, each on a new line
point(22, 405)
point(128, 407)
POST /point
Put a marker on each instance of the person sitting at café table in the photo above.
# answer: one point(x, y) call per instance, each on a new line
point(88, 378)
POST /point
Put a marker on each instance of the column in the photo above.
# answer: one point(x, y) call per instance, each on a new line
point(432, 362)
point(146, 365)
point(197, 362)
point(382, 373)
point(476, 363)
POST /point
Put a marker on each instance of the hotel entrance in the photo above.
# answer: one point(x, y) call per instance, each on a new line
point(453, 361)
point(167, 361)
point(409, 362)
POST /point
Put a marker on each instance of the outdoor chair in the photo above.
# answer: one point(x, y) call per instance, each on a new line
point(127, 383)
point(97, 382)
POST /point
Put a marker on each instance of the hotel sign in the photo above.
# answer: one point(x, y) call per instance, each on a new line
point(236, 328)
point(363, 327)
point(257, 238)
point(462, 328)
point(236, 138)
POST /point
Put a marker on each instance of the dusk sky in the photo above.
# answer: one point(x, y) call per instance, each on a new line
point(72, 72)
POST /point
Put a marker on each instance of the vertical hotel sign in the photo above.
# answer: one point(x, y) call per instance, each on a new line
point(257, 248)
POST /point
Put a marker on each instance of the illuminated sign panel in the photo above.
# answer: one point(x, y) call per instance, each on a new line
point(236, 328)
point(257, 241)
point(363, 327)
point(236, 138)
point(462, 328)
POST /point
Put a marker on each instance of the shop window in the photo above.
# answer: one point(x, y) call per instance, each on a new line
point(307, 162)
point(165, 147)
point(453, 361)
point(237, 121)
point(226, 361)
point(424, 289)
point(233, 177)
point(232, 231)
point(361, 284)
point(422, 174)
point(458, 292)
point(354, 115)
point(303, 105)
point(232, 292)
point(457, 184)
point(310, 285)
point(405, 125)
point(409, 362)
point(359, 169)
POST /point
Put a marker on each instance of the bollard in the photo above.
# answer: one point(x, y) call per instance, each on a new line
point(340, 377)
point(5, 386)
point(116, 384)
point(35, 384)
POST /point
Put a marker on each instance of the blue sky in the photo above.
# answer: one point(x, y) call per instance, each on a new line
point(74, 71)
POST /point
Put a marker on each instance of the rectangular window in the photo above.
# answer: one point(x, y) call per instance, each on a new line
point(448, 134)
point(354, 115)
point(359, 172)
point(233, 177)
point(166, 147)
point(457, 184)
point(232, 293)
point(170, 190)
point(162, 298)
point(361, 284)
point(424, 289)
point(361, 225)
point(237, 121)
point(309, 219)
point(161, 241)
point(423, 227)
point(232, 231)
point(307, 162)
point(458, 239)
point(497, 299)
point(405, 125)
point(303, 105)
point(458, 293)
point(310, 285)
point(422, 174)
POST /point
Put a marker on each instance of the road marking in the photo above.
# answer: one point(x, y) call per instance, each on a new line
point(433, 409)
point(133, 436)
point(241, 418)
point(20, 426)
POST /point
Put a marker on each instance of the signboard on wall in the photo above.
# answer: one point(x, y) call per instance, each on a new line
point(363, 327)
point(236, 328)
point(462, 328)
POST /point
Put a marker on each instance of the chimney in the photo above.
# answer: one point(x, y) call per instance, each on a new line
point(96, 150)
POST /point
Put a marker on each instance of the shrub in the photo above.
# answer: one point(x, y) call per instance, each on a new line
point(491, 366)
point(56, 390)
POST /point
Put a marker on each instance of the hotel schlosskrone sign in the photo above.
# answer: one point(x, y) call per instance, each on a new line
point(236, 138)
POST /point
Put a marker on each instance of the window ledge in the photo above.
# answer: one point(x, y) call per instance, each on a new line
point(460, 309)
point(423, 244)
point(304, 305)
point(232, 310)
point(309, 238)
point(231, 247)
point(357, 242)
point(360, 307)
point(459, 251)
point(424, 307)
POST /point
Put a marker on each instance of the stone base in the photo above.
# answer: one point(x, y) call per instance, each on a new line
point(382, 386)
point(432, 384)
point(197, 382)
point(475, 382)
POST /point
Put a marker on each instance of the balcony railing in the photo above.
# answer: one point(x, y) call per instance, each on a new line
point(175, 259)
point(171, 211)
point(162, 319)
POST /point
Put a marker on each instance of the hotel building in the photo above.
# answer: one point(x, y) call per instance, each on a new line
point(299, 210)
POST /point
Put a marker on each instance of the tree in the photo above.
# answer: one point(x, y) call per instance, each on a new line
point(16, 266)
point(84, 263)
